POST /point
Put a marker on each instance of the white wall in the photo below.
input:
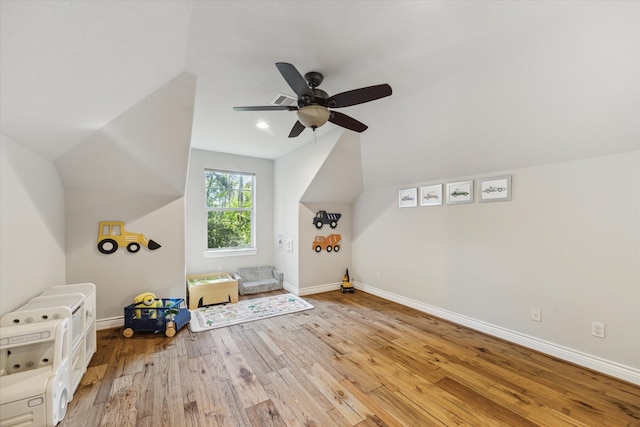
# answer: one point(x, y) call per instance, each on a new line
point(196, 224)
point(120, 276)
point(293, 174)
point(144, 150)
point(32, 224)
point(324, 268)
point(568, 243)
point(133, 169)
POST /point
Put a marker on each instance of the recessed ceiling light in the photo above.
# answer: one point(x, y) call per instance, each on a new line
point(262, 125)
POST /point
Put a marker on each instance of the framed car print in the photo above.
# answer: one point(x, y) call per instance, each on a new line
point(431, 195)
point(496, 189)
point(408, 198)
point(459, 192)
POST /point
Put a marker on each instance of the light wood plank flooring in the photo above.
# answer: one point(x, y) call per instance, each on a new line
point(353, 360)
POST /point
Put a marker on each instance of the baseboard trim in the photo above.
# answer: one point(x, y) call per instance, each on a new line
point(604, 366)
point(315, 289)
point(110, 322)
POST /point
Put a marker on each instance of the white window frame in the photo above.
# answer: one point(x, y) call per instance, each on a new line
point(230, 252)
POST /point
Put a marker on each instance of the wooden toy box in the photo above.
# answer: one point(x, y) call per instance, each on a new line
point(211, 288)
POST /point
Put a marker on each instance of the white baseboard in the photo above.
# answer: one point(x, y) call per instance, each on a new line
point(110, 322)
point(313, 289)
point(595, 363)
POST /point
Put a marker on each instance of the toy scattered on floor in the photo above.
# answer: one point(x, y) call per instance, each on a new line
point(147, 300)
point(167, 315)
point(322, 217)
point(111, 235)
point(347, 284)
point(330, 243)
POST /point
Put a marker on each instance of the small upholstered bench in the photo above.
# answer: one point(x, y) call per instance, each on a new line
point(253, 280)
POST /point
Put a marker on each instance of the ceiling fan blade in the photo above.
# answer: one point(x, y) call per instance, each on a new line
point(345, 121)
point(296, 129)
point(358, 96)
point(267, 108)
point(295, 80)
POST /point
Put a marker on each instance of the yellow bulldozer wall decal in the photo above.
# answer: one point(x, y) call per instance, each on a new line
point(112, 235)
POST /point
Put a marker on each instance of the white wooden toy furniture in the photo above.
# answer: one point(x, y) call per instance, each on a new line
point(35, 373)
point(40, 309)
point(88, 344)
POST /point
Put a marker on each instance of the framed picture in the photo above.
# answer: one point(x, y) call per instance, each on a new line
point(408, 198)
point(496, 189)
point(431, 195)
point(460, 192)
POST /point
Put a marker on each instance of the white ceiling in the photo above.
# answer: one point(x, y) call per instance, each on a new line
point(478, 86)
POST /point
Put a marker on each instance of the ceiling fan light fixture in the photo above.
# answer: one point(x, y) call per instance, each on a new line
point(313, 116)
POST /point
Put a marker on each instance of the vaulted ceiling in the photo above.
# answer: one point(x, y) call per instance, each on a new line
point(478, 86)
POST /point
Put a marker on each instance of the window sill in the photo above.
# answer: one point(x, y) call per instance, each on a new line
point(222, 253)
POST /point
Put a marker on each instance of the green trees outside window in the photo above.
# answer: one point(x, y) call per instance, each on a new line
point(229, 204)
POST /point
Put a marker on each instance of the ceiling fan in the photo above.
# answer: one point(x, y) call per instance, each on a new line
point(314, 105)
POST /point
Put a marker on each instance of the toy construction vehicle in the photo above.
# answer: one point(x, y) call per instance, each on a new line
point(347, 284)
point(322, 217)
point(330, 243)
point(111, 235)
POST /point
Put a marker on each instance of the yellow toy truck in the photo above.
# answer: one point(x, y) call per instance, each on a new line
point(347, 284)
point(111, 235)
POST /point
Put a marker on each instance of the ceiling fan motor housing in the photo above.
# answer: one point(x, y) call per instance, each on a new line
point(319, 98)
point(314, 78)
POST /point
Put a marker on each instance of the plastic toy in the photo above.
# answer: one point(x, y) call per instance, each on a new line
point(35, 366)
point(111, 235)
point(347, 285)
point(166, 315)
point(147, 300)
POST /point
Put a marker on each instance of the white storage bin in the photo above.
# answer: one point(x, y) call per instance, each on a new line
point(52, 307)
point(35, 373)
point(87, 290)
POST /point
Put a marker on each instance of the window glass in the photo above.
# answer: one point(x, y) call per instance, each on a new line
point(229, 201)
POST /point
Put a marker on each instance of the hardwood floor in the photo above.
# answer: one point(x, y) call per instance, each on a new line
point(353, 360)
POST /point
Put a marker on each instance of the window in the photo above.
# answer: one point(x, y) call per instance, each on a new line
point(229, 201)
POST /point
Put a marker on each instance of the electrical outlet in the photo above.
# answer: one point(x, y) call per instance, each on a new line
point(377, 275)
point(597, 329)
point(536, 314)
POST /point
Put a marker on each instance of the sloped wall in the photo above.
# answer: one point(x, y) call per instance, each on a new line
point(144, 150)
point(292, 175)
point(32, 238)
point(324, 173)
point(321, 271)
point(132, 170)
point(568, 243)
